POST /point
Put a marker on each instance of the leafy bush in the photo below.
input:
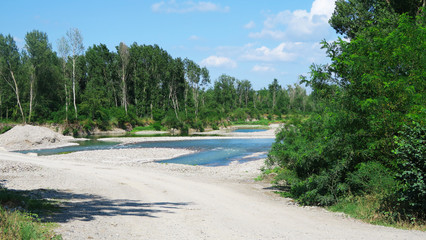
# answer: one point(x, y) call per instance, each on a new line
point(371, 178)
point(5, 129)
point(184, 130)
point(411, 157)
point(157, 126)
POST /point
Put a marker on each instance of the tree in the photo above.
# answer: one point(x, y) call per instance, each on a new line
point(123, 52)
point(9, 65)
point(196, 78)
point(243, 90)
point(44, 72)
point(224, 89)
point(372, 88)
point(76, 42)
point(352, 16)
point(274, 87)
point(64, 49)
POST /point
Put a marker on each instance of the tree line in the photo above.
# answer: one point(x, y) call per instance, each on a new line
point(105, 88)
point(364, 144)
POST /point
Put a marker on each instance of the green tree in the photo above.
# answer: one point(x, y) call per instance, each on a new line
point(44, 72)
point(372, 88)
point(75, 40)
point(10, 65)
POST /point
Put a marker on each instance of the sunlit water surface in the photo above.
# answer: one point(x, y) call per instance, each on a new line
point(209, 152)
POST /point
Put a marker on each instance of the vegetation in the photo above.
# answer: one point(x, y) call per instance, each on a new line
point(24, 223)
point(362, 149)
point(135, 85)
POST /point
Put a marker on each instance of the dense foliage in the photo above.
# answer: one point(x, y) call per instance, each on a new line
point(367, 135)
point(131, 86)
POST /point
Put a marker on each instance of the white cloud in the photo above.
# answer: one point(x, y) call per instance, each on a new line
point(323, 7)
point(174, 6)
point(215, 61)
point(299, 24)
point(281, 53)
point(262, 68)
point(250, 25)
point(194, 38)
point(268, 33)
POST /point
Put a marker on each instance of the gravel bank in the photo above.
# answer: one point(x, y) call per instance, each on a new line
point(122, 157)
point(223, 134)
point(106, 198)
point(33, 137)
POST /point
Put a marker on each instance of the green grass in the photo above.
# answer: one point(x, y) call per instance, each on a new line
point(143, 128)
point(368, 209)
point(23, 222)
point(259, 122)
point(152, 127)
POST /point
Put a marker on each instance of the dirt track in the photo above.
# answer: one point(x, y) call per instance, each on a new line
point(158, 201)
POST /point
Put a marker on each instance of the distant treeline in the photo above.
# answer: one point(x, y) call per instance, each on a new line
point(127, 86)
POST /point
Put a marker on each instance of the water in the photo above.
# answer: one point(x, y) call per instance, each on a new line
point(246, 130)
point(210, 152)
point(216, 152)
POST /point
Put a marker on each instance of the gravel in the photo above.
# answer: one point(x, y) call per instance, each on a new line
point(33, 137)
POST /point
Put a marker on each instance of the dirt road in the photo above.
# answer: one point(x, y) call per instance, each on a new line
point(158, 201)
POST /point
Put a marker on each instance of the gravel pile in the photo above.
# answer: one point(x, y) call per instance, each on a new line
point(32, 137)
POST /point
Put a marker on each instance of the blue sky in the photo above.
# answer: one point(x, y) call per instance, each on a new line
point(254, 40)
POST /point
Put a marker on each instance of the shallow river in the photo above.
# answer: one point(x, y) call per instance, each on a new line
point(210, 152)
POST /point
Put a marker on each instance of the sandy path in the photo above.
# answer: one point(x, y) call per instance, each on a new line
point(159, 201)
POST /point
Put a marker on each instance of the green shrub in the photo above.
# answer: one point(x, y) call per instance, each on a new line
point(66, 131)
point(5, 129)
point(371, 178)
point(184, 130)
point(157, 126)
point(411, 157)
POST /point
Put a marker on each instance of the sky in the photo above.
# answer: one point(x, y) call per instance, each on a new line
point(254, 40)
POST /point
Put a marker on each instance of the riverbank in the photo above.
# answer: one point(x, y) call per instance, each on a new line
point(215, 134)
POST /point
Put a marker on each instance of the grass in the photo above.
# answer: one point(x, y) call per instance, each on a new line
point(19, 218)
point(152, 127)
point(259, 122)
point(367, 209)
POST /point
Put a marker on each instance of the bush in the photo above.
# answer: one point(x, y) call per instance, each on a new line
point(5, 129)
point(184, 130)
point(157, 126)
point(371, 178)
point(411, 158)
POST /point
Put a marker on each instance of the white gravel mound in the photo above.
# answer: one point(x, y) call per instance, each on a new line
point(32, 137)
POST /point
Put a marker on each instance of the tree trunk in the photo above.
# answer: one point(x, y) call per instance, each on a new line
point(17, 96)
point(66, 102)
point(175, 103)
point(123, 78)
point(31, 96)
point(151, 110)
point(73, 86)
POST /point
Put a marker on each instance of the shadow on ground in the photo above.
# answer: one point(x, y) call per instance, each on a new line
point(86, 207)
